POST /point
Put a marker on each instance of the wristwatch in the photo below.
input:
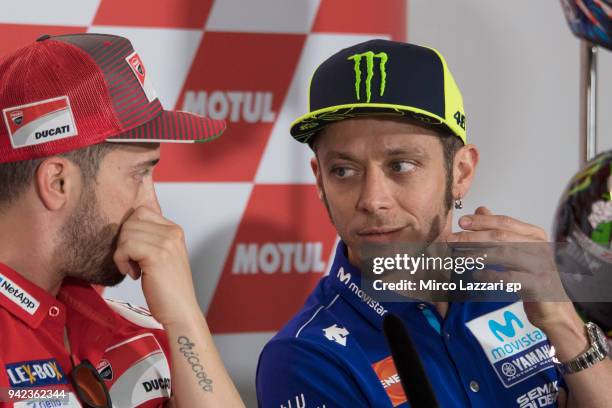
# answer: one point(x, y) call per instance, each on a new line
point(598, 351)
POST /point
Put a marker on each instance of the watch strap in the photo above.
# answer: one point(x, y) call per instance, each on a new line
point(595, 353)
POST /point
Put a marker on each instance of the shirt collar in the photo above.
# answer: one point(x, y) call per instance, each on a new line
point(25, 300)
point(84, 299)
point(32, 304)
point(345, 278)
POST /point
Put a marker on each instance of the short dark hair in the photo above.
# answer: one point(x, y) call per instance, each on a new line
point(16, 176)
point(450, 146)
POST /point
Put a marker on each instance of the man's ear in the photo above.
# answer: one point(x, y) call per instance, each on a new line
point(464, 169)
point(57, 180)
point(316, 170)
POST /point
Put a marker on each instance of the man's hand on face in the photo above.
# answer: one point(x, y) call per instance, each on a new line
point(531, 265)
point(151, 246)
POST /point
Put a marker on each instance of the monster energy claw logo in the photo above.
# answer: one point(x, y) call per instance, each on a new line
point(369, 57)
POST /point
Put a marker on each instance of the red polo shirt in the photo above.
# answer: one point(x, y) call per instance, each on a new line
point(126, 345)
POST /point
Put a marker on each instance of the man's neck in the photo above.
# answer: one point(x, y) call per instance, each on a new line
point(26, 253)
point(34, 273)
point(442, 308)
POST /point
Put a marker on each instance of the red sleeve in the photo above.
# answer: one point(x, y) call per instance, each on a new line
point(4, 380)
point(162, 338)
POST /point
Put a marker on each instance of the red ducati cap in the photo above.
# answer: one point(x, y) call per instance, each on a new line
point(71, 91)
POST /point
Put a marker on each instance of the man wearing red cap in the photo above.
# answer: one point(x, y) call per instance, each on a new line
point(76, 210)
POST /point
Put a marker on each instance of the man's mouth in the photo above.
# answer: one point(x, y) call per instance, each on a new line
point(380, 234)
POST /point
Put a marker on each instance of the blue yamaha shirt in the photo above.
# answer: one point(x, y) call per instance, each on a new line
point(333, 352)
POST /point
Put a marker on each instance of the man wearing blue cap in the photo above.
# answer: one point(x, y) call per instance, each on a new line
point(387, 125)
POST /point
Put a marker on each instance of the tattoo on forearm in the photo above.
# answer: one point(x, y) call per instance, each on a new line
point(194, 361)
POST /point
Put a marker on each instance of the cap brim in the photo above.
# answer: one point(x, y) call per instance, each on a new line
point(305, 127)
point(174, 127)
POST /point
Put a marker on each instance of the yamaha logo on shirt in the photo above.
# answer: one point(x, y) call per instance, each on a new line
point(35, 373)
point(515, 348)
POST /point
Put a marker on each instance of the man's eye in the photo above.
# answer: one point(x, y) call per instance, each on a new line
point(402, 167)
point(343, 172)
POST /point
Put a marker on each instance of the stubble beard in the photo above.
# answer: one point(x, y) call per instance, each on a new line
point(433, 233)
point(87, 244)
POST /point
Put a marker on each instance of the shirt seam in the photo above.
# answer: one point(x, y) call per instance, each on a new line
point(315, 315)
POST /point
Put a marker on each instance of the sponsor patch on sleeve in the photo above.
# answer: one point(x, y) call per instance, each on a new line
point(136, 371)
point(40, 122)
point(387, 374)
point(515, 348)
point(35, 373)
point(144, 80)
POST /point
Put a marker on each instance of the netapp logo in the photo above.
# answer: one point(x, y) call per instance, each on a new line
point(157, 384)
point(18, 296)
point(60, 130)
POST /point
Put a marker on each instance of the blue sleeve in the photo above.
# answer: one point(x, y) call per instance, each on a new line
point(561, 383)
point(294, 373)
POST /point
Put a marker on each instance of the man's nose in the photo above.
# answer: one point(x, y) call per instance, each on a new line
point(375, 192)
point(149, 198)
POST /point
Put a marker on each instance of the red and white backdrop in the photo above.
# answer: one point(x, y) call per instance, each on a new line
point(259, 238)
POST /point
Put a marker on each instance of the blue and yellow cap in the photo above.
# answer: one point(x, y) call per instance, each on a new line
point(381, 77)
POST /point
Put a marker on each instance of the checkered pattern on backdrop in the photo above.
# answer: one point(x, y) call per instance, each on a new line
point(259, 238)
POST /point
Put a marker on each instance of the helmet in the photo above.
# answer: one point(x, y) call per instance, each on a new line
point(583, 236)
point(590, 20)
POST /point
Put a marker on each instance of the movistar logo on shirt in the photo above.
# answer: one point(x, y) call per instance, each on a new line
point(515, 348)
point(35, 373)
point(507, 328)
point(345, 277)
point(511, 342)
point(17, 295)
